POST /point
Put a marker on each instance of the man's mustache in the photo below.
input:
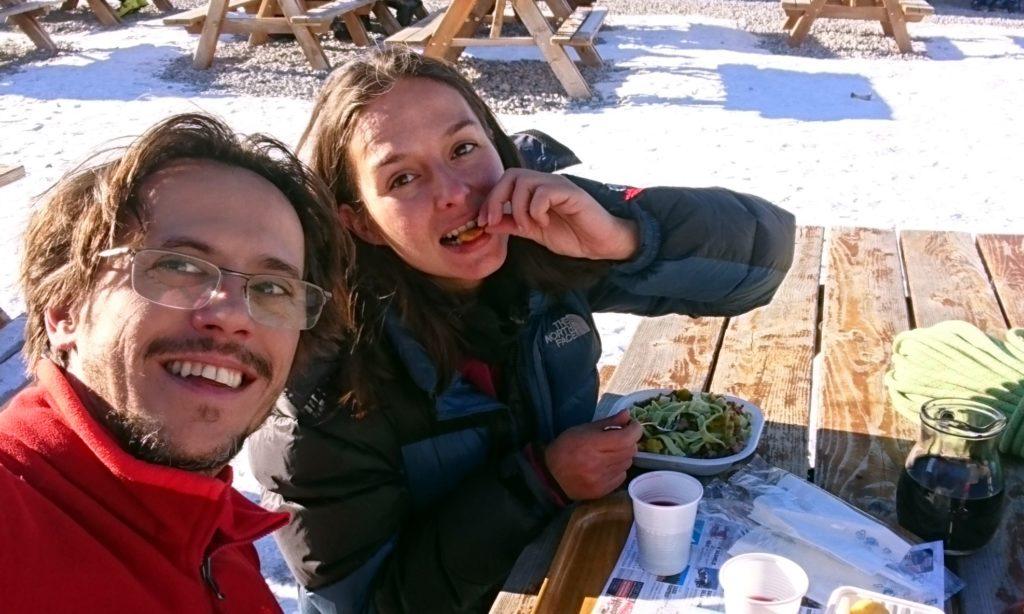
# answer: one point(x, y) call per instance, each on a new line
point(168, 345)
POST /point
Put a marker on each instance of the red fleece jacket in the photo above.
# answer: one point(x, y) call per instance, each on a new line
point(85, 527)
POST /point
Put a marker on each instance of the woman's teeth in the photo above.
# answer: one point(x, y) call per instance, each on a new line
point(453, 235)
point(184, 368)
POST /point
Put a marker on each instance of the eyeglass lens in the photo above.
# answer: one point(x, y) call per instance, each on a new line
point(184, 282)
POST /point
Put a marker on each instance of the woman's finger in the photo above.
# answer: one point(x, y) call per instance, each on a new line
point(522, 193)
point(540, 204)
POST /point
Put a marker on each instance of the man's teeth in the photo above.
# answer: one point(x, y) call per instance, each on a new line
point(461, 229)
point(221, 375)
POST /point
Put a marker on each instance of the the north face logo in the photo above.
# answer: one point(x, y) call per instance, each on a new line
point(566, 329)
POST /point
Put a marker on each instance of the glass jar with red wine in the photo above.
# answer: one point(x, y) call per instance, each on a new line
point(951, 487)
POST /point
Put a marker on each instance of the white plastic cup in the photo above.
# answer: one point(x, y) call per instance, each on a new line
point(664, 510)
point(761, 583)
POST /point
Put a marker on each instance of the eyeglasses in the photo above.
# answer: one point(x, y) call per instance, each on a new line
point(180, 281)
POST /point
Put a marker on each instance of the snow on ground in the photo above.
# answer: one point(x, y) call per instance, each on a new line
point(700, 103)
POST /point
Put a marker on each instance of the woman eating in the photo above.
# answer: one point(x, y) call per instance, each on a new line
point(420, 461)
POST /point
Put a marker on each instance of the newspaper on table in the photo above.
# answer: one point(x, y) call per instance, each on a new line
point(765, 509)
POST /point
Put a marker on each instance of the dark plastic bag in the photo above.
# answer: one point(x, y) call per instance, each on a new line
point(541, 152)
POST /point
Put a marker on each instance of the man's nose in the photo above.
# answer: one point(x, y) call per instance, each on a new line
point(227, 313)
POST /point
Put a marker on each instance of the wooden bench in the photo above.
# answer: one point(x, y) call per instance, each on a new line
point(893, 15)
point(10, 174)
point(418, 33)
point(193, 20)
point(13, 372)
point(23, 15)
point(580, 28)
point(350, 12)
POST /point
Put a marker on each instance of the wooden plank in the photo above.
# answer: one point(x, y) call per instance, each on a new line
point(385, 17)
point(666, 352)
point(327, 12)
point(497, 18)
point(561, 64)
point(267, 9)
point(19, 8)
point(803, 24)
point(10, 174)
point(212, 24)
point(1004, 260)
point(861, 441)
point(766, 357)
point(197, 15)
point(104, 13)
point(947, 280)
point(994, 577)
point(460, 20)
point(898, 23)
point(35, 32)
point(505, 41)
point(356, 30)
point(583, 24)
point(521, 590)
point(309, 43)
point(418, 33)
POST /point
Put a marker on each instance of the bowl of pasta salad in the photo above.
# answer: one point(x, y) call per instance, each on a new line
point(700, 433)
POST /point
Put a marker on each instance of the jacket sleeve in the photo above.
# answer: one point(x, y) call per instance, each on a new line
point(704, 251)
point(356, 537)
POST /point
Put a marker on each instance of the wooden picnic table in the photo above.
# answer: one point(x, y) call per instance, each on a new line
point(813, 360)
point(24, 13)
point(893, 15)
point(447, 33)
point(105, 14)
point(306, 20)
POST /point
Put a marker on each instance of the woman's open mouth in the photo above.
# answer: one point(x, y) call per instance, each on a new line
point(467, 233)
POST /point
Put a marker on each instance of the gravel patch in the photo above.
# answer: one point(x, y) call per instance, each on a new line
point(20, 51)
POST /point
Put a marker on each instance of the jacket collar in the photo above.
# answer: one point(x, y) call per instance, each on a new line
point(188, 513)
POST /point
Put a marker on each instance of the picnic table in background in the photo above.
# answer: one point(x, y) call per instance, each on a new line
point(10, 174)
point(892, 14)
point(813, 360)
point(105, 14)
point(258, 18)
point(445, 34)
point(23, 13)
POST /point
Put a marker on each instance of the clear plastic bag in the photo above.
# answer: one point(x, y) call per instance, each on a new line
point(834, 542)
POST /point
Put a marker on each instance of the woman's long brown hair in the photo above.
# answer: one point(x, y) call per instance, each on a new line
point(381, 280)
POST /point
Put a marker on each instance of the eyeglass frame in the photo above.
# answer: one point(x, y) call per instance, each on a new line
point(221, 273)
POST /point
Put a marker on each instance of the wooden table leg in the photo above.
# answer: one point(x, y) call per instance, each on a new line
point(561, 64)
point(790, 21)
point(69, 5)
point(589, 56)
point(460, 20)
point(803, 25)
point(104, 13)
point(307, 41)
point(897, 26)
point(386, 18)
point(560, 9)
point(268, 8)
point(356, 30)
point(164, 5)
point(497, 18)
point(212, 25)
point(35, 32)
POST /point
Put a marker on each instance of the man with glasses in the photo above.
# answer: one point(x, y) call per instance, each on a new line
point(168, 292)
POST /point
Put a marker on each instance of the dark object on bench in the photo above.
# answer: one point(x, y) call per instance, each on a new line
point(541, 152)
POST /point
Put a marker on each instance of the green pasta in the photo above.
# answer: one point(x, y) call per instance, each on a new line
point(708, 426)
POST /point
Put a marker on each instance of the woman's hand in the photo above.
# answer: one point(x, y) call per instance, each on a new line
point(589, 462)
point(553, 211)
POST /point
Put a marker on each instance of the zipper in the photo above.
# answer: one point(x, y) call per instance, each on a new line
point(206, 570)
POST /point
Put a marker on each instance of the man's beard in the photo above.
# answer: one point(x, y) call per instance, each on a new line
point(144, 438)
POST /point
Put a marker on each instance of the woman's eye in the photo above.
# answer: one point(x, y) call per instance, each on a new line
point(464, 148)
point(400, 180)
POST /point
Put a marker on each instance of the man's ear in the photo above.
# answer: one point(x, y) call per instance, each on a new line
point(360, 225)
point(60, 328)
